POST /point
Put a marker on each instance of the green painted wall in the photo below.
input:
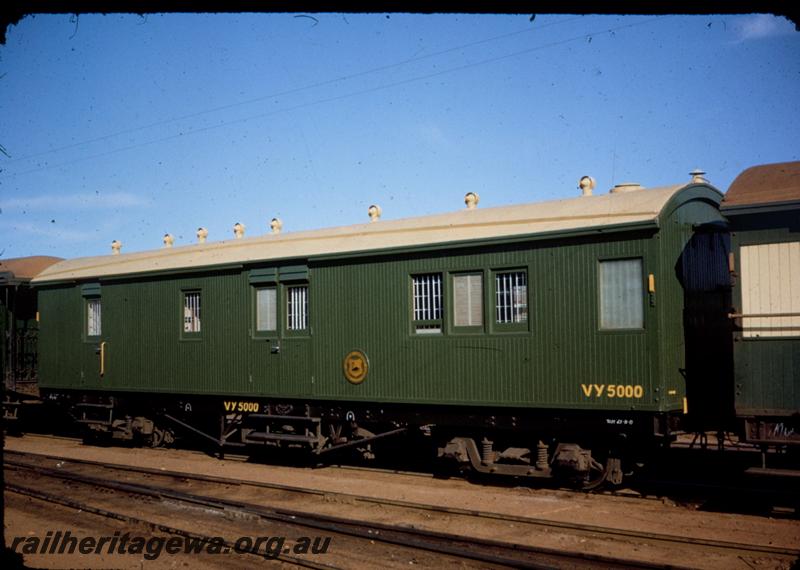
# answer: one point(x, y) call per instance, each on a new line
point(365, 304)
point(543, 366)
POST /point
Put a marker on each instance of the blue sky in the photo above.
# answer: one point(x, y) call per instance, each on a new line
point(128, 127)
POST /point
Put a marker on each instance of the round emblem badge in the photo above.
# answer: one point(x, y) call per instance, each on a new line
point(355, 366)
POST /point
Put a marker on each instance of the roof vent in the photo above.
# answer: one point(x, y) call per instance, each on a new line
point(276, 225)
point(238, 230)
point(586, 184)
point(202, 235)
point(374, 212)
point(626, 187)
point(168, 240)
point(471, 199)
point(116, 246)
point(698, 176)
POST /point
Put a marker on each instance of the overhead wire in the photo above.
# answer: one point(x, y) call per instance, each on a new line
point(289, 91)
point(415, 79)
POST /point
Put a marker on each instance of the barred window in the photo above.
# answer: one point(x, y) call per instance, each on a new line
point(621, 294)
point(427, 294)
point(468, 300)
point(191, 312)
point(93, 317)
point(266, 309)
point(511, 297)
point(297, 308)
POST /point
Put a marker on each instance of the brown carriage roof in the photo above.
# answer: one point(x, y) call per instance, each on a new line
point(25, 268)
point(765, 184)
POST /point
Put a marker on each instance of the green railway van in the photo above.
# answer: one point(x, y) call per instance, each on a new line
point(533, 339)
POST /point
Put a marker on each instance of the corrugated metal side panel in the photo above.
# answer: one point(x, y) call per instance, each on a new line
point(568, 341)
point(767, 377)
point(368, 307)
point(146, 350)
point(60, 337)
point(140, 324)
point(142, 330)
point(217, 362)
point(767, 369)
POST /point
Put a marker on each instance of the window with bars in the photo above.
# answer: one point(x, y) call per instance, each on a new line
point(266, 309)
point(427, 296)
point(297, 308)
point(191, 312)
point(511, 299)
point(621, 294)
point(468, 300)
point(93, 317)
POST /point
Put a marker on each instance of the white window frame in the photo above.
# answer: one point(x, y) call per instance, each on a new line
point(471, 292)
point(625, 301)
point(296, 308)
point(511, 298)
point(272, 317)
point(192, 312)
point(427, 306)
point(94, 317)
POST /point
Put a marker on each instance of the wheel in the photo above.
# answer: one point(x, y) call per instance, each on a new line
point(598, 473)
point(161, 437)
point(157, 437)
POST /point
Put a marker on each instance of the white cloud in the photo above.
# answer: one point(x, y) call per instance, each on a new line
point(46, 230)
point(758, 26)
point(83, 201)
point(433, 135)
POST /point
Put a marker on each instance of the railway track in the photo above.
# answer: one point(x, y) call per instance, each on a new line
point(485, 551)
point(83, 507)
point(447, 548)
point(773, 500)
point(765, 496)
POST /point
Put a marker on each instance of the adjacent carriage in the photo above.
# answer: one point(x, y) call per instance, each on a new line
point(19, 323)
point(763, 206)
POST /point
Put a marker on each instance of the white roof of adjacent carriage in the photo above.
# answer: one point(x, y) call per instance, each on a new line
point(476, 224)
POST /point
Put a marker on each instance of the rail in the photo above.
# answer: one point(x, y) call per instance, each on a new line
point(542, 523)
point(488, 551)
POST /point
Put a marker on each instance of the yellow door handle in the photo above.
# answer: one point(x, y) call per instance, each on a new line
point(102, 358)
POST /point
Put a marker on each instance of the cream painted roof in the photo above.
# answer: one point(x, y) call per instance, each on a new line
point(481, 223)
